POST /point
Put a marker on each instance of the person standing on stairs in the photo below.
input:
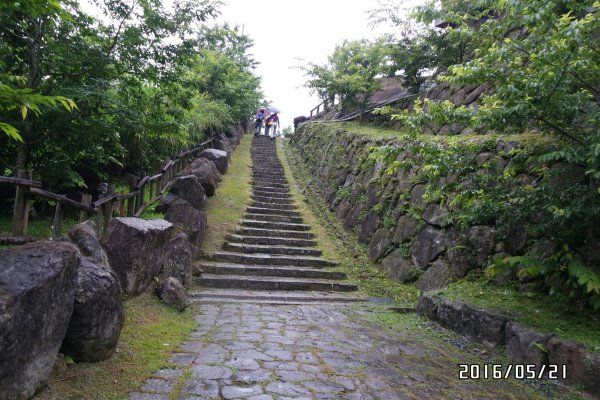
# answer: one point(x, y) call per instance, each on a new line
point(260, 116)
point(272, 122)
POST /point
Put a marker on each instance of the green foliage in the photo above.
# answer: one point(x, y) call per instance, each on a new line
point(148, 80)
point(350, 72)
point(569, 277)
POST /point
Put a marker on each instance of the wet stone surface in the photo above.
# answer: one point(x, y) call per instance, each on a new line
point(321, 351)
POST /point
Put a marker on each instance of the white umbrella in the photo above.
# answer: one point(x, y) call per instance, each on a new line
point(273, 109)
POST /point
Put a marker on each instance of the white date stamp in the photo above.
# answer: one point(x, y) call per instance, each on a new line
point(515, 371)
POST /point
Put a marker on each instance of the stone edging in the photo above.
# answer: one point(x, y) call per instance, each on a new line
point(523, 345)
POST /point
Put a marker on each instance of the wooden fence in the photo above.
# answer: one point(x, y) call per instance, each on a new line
point(131, 204)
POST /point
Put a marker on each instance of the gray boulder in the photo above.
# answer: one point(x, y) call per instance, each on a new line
point(218, 157)
point(406, 228)
point(400, 268)
point(188, 188)
point(165, 202)
point(178, 262)
point(429, 243)
point(173, 294)
point(98, 313)
point(436, 276)
point(37, 288)
point(368, 227)
point(435, 214)
point(380, 243)
point(190, 220)
point(207, 173)
point(136, 250)
point(220, 142)
point(482, 239)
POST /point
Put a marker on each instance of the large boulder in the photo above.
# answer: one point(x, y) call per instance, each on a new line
point(406, 228)
point(178, 262)
point(165, 202)
point(429, 243)
point(188, 188)
point(220, 142)
point(218, 157)
point(135, 249)
point(190, 220)
point(98, 313)
point(400, 268)
point(37, 288)
point(436, 276)
point(173, 294)
point(207, 173)
point(380, 244)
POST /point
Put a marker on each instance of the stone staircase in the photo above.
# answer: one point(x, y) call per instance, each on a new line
point(272, 249)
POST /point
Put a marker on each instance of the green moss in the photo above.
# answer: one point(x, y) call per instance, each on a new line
point(531, 309)
point(227, 206)
point(152, 331)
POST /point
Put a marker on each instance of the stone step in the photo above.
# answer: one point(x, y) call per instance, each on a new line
point(282, 241)
point(247, 231)
point(270, 184)
point(266, 199)
point(272, 189)
point(224, 295)
point(274, 218)
point(275, 206)
point(220, 268)
point(272, 211)
point(270, 181)
point(273, 283)
point(268, 174)
point(274, 225)
point(271, 249)
point(268, 193)
point(270, 259)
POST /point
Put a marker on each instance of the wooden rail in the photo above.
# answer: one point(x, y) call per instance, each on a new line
point(130, 204)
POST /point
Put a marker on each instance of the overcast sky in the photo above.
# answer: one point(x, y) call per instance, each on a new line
point(284, 31)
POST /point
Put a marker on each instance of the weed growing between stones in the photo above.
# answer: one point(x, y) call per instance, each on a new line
point(337, 242)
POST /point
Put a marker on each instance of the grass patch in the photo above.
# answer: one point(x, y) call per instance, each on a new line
point(41, 228)
point(381, 132)
point(535, 310)
point(152, 331)
point(336, 242)
point(228, 205)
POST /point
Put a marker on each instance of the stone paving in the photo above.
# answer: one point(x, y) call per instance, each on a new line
point(317, 351)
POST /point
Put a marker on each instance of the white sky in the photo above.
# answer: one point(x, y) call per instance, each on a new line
point(286, 30)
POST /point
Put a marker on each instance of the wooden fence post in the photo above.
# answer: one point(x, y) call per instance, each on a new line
point(108, 207)
point(19, 221)
point(86, 199)
point(142, 194)
point(58, 220)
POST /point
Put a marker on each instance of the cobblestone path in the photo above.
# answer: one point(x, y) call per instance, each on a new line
point(260, 337)
point(317, 351)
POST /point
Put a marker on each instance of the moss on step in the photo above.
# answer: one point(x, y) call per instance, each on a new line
point(228, 205)
point(336, 242)
point(152, 331)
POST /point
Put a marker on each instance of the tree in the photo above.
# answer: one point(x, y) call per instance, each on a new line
point(350, 72)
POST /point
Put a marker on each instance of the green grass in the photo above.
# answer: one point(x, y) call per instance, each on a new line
point(534, 310)
point(41, 228)
point(380, 132)
point(227, 206)
point(339, 244)
point(152, 331)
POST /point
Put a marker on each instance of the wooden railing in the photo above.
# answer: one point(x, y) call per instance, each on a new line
point(131, 204)
point(324, 107)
